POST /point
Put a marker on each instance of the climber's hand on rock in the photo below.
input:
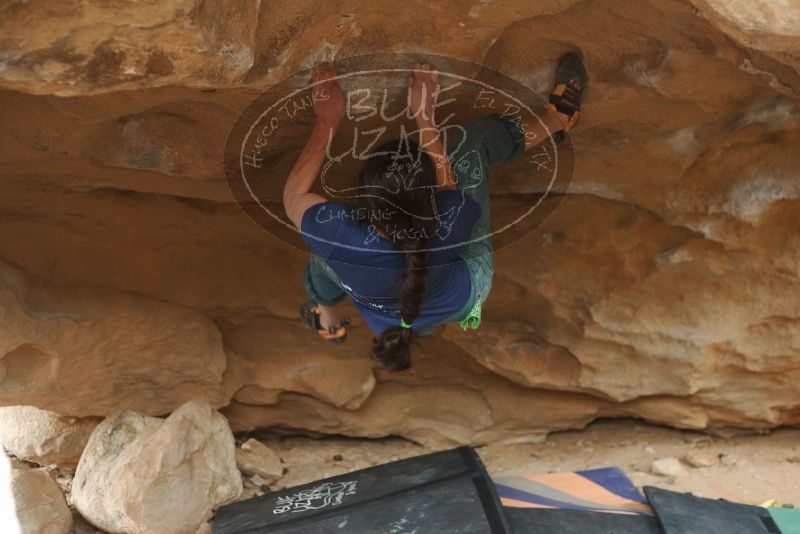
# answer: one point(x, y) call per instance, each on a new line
point(422, 86)
point(329, 101)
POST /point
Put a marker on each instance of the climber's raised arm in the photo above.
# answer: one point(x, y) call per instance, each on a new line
point(329, 106)
point(422, 86)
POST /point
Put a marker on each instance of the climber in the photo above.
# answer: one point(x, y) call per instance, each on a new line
point(395, 254)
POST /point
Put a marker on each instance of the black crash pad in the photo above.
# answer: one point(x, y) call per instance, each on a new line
point(683, 513)
point(443, 492)
point(556, 521)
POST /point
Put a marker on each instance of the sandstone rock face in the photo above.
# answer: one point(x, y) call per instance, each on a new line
point(664, 286)
point(133, 351)
point(143, 474)
point(769, 30)
point(44, 437)
point(41, 507)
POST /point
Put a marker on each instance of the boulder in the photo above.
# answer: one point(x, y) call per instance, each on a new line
point(8, 512)
point(255, 458)
point(701, 458)
point(142, 474)
point(44, 437)
point(41, 507)
point(668, 467)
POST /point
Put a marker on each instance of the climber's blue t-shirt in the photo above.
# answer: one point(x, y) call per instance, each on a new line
point(370, 268)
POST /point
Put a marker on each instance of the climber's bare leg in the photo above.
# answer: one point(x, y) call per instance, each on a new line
point(539, 130)
point(329, 316)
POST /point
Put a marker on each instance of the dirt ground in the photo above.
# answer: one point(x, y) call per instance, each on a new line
point(748, 468)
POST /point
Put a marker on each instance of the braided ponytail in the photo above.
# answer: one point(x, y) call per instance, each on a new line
point(412, 223)
point(391, 348)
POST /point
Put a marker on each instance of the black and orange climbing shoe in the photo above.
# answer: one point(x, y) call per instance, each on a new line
point(309, 316)
point(566, 95)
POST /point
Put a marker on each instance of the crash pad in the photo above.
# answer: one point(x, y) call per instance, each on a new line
point(446, 491)
point(683, 513)
point(606, 489)
point(565, 521)
point(787, 519)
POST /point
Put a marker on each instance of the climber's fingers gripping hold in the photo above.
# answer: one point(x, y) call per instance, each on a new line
point(422, 84)
point(329, 100)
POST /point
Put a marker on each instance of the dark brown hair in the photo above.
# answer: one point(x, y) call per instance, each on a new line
point(399, 181)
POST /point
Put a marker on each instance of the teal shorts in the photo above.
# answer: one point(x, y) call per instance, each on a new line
point(473, 149)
